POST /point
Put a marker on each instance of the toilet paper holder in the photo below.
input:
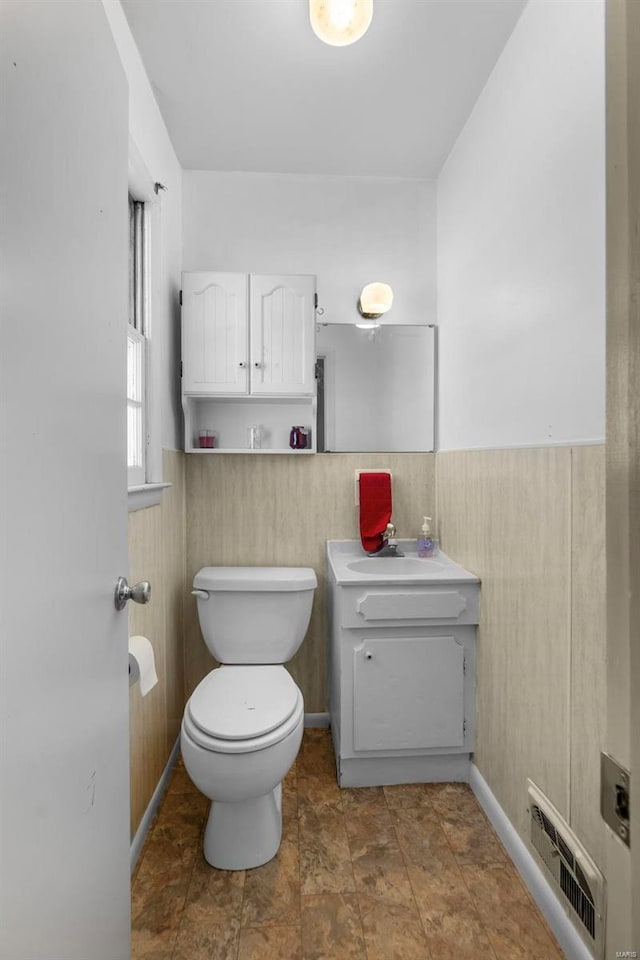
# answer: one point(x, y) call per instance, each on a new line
point(139, 592)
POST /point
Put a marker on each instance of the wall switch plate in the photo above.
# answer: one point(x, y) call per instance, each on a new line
point(615, 796)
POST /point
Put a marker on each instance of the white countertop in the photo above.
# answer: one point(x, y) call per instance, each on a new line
point(351, 566)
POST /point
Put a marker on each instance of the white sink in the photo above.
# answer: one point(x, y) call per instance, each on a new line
point(400, 566)
point(349, 566)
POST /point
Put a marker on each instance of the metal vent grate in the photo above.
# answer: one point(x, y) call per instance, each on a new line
point(573, 873)
point(582, 906)
point(563, 847)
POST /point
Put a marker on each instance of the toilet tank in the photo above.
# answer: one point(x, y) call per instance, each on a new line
point(254, 614)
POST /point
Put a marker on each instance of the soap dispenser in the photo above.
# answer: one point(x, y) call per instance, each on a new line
point(426, 544)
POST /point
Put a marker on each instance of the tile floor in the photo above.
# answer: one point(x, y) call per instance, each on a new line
point(383, 873)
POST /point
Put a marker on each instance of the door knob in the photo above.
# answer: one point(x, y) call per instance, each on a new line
point(139, 592)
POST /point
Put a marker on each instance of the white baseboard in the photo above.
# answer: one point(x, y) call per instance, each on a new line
point(317, 720)
point(143, 829)
point(378, 771)
point(541, 891)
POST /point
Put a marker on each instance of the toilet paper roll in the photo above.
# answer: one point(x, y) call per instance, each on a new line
point(142, 664)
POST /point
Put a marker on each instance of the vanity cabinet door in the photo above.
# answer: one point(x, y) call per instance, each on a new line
point(408, 693)
point(282, 335)
point(215, 352)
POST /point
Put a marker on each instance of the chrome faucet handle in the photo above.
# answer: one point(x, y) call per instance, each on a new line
point(390, 532)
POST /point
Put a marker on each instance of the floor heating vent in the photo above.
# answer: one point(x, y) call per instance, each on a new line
point(574, 876)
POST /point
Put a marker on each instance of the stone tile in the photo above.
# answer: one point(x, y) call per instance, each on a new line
point(316, 757)
point(272, 891)
point(450, 920)
point(392, 931)
point(474, 843)
point(170, 853)
point(450, 799)
point(198, 940)
point(187, 808)
point(319, 791)
point(180, 781)
point(331, 928)
point(156, 909)
point(325, 860)
point(214, 896)
point(363, 800)
point(290, 794)
point(146, 945)
point(406, 795)
point(421, 838)
point(432, 880)
point(468, 831)
point(514, 927)
point(270, 943)
point(378, 867)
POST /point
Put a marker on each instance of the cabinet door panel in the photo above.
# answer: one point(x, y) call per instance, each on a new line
point(214, 333)
point(408, 693)
point(282, 335)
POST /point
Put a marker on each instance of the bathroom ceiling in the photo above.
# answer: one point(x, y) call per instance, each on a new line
point(246, 85)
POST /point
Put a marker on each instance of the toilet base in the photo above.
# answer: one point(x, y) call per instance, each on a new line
point(244, 834)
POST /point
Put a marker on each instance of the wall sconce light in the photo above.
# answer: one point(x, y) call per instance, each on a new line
point(375, 300)
point(340, 22)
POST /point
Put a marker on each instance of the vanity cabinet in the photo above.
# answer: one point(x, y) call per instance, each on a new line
point(408, 692)
point(401, 673)
point(248, 357)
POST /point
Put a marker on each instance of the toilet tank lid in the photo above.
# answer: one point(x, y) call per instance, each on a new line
point(255, 578)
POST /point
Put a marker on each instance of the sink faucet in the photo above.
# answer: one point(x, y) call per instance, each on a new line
point(390, 544)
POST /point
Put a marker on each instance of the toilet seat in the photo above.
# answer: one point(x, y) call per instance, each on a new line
point(239, 709)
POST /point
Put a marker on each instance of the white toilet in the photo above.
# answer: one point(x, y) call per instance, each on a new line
point(243, 724)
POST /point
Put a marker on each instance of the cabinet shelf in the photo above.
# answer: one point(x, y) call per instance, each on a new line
point(278, 450)
point(248, 398)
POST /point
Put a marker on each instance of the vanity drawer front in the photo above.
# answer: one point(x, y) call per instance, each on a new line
point(408, 693)
point(406, 605)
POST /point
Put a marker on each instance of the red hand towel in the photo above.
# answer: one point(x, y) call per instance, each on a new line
point(375, 508)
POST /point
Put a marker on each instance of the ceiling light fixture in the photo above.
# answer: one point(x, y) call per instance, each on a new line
point(340, 22)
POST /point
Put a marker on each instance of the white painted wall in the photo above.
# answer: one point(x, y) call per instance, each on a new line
point(521, 243)
point(147, 129)
point(347, 231)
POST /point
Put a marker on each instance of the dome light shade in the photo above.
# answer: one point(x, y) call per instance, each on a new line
point(375, 299)
point(340, 22)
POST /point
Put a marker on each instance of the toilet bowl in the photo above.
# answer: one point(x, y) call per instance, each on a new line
point(243, 724)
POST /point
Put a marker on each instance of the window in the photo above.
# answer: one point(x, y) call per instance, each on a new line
point(137, 345)
point(147, 308)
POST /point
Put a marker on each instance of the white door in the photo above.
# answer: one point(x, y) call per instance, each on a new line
point(622, 741)
point(64, 875)
point(215, 352)
point(282, 335)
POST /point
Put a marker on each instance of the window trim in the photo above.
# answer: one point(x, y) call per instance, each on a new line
point(142, 188)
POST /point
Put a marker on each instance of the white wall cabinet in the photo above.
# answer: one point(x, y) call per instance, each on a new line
point(248, 357)
point(282, 335)
point(215, 334)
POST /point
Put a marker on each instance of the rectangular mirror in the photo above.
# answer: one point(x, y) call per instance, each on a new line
point(375, 388)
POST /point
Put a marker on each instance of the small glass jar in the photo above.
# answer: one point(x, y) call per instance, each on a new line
point(254, 435)
point(206, 439)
